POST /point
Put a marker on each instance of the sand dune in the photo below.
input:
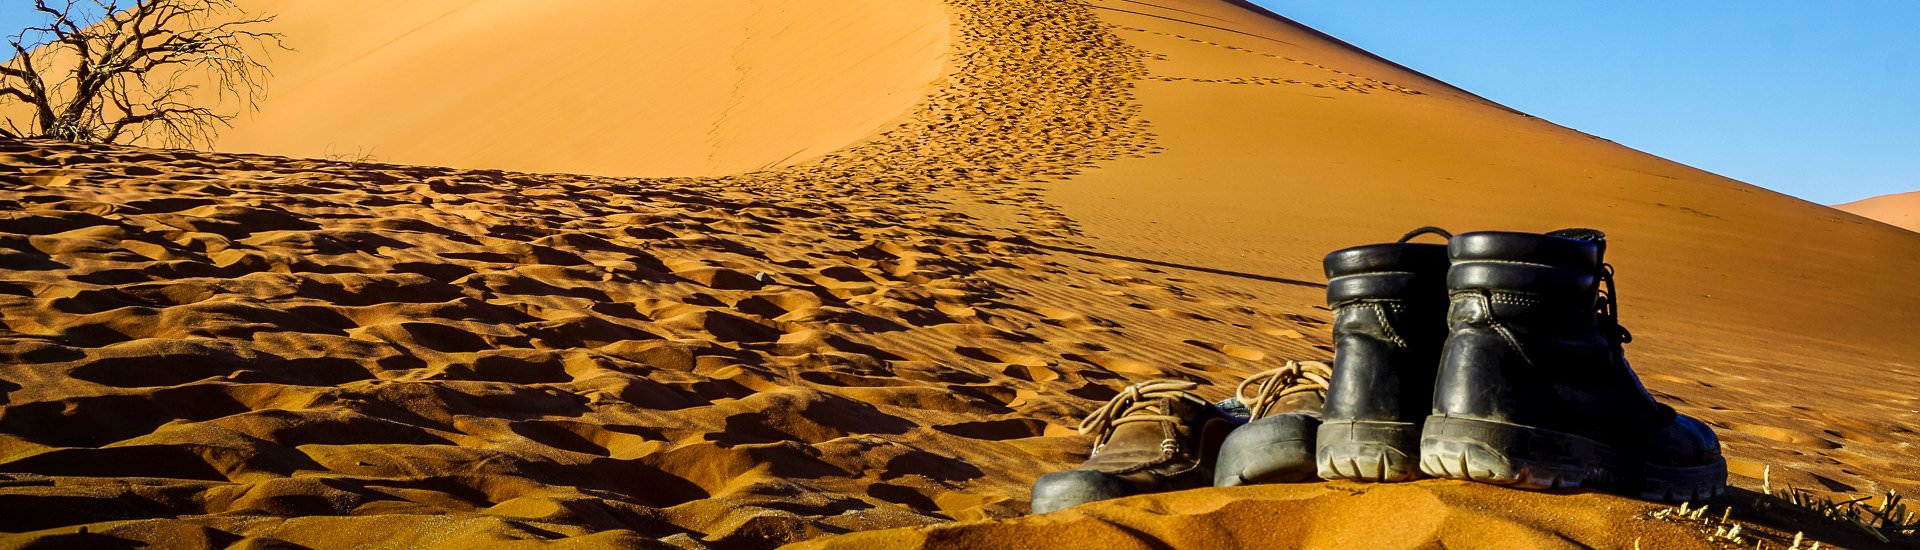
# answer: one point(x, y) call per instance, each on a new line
point(1898, 210)
point(893, 330)
point(612, 87)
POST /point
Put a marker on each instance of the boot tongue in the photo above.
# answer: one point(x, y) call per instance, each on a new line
point(1298, 387)
point(1308, 403)
point(1580, 234)
point(1136, 444)
point(1587, 235)
point(1136, 436)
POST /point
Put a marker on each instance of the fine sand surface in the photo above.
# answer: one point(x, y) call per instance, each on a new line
point(896, 331)
point(1898, 210)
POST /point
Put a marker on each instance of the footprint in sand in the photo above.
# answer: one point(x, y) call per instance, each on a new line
point(1230, 350)
point(1783, 435)
point(1073, 320)
point(1271, 330)
point(999, 430)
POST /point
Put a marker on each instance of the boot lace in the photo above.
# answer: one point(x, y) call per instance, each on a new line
point(1609, 305)
point(1424, 230)
point(1142, 402)
point(1271, 386)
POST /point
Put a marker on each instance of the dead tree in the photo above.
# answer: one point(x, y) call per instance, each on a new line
point(136, 74)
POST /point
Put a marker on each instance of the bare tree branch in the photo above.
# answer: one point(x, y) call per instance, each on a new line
point(130, 76)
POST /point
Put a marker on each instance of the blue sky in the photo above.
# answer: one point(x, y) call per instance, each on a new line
point(1820, 100)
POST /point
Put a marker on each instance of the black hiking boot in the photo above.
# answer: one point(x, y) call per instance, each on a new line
point(1277, 446)
point(1389, 319)
point(1534, 389)
point(1153, 437)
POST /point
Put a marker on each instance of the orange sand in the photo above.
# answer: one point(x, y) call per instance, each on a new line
point(894, 329)
point(1899, 209)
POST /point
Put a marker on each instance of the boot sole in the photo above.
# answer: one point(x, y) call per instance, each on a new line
point(1365, 450)
point(1689, 484)
point(1533, 458)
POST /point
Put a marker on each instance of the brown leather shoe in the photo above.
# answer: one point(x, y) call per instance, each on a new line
point(1277, 446)
point(1154, 436)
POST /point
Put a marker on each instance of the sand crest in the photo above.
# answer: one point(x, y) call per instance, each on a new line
point(1899, 209)
point(1423, 514)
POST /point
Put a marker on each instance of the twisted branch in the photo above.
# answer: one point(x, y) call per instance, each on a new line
point(129, 77)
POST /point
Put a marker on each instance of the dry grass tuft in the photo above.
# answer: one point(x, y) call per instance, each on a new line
point(1764, 521)
point(1888, 521)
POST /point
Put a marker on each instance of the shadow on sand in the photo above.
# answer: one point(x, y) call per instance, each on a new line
point(1215, 271)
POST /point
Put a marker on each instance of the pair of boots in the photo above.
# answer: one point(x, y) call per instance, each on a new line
point(1495, 358)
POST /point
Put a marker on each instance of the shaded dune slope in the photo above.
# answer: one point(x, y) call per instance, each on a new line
point(592, 87)
point(216, 348)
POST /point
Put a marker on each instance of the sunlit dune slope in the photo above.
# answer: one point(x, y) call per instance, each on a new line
point(1898, 209)
point(1264, 175)
point(1279, 146)
point(590, 86)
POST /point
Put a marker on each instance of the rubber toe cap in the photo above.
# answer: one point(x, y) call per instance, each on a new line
point(1060, 490)
point(1275, 449)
